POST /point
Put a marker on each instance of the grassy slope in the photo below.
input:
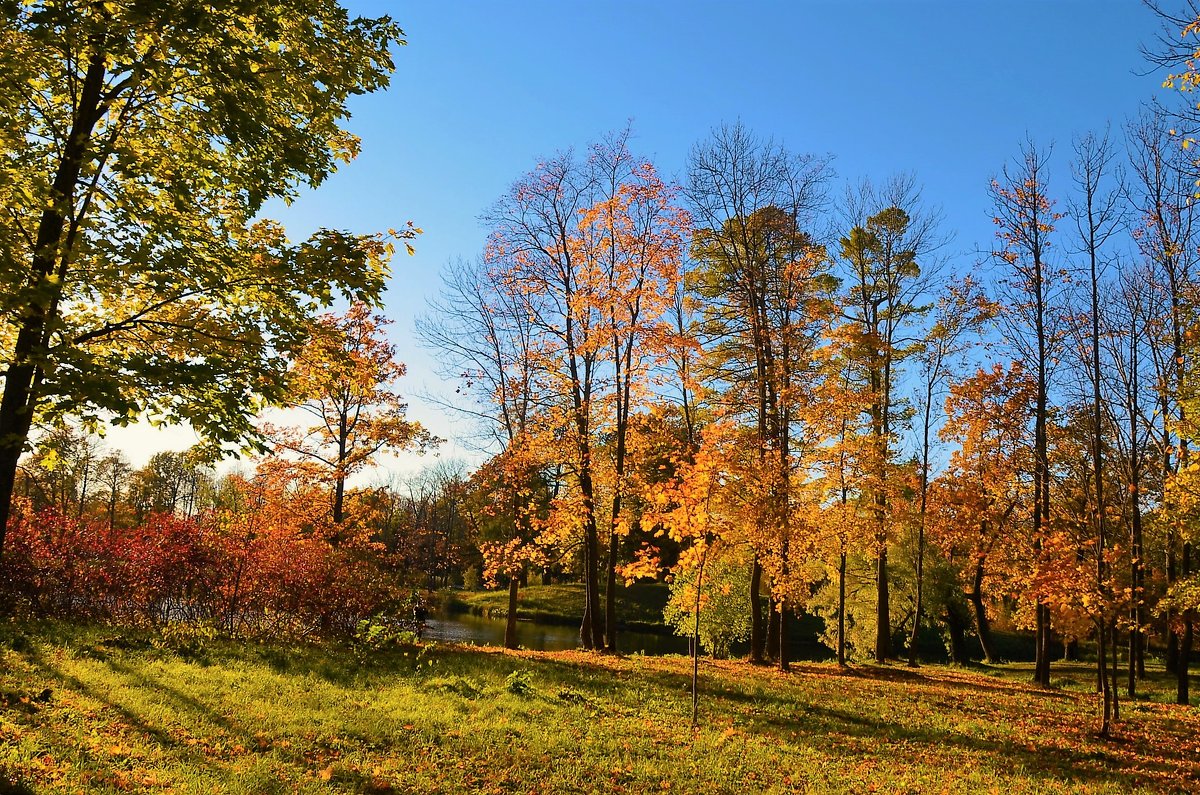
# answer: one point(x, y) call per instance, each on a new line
point(638, 605)
point(126, 716)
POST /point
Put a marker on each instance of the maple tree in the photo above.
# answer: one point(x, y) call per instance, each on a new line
point(345, 377)
point(636, 236)
point(984, 494)
point(1025, 219)
point(140, 143)
point(590, 252)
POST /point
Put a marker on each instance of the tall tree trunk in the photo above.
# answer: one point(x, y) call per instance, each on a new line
point(1185, 637)
point(956, 626)
point(24, 373)
point(841, 647)
point(924, 509)
point(610, 597)
point(773, 631)
point(758, 628)
point(883, 614)
point(1137, 580)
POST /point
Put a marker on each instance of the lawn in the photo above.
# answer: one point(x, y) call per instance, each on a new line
point(94, 710)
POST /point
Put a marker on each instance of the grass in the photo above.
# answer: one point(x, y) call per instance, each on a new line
point(639, 605)
point(125, 714)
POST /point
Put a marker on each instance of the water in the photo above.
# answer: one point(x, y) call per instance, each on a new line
point(470, 629)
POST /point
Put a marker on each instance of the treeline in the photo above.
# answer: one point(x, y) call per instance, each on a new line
point(752, 382)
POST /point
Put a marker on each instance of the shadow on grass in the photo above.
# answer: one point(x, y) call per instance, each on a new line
point(191, 744)
point(817, 723)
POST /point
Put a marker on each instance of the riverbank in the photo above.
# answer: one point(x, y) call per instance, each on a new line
point(639, 605)
point(98, 710)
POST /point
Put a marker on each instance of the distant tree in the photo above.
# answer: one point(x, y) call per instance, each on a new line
point(113, 475)
point(171, 482)
point(345, 379)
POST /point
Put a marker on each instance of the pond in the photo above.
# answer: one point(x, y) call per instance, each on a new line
point(470, 629)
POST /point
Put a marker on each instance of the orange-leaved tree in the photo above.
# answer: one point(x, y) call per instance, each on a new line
point(983, 496)
point(589, 251)
point(344, 379)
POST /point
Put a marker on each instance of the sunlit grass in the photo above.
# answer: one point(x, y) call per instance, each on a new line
point(124, 714)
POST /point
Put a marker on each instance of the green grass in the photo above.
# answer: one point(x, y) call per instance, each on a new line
point(124, 714)
point(639, 606)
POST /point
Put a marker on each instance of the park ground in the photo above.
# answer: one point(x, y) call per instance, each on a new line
point(97, 710)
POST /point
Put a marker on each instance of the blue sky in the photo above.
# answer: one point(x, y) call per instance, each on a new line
point(947, 90)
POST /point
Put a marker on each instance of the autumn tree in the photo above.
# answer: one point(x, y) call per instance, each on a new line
point(1127, 317)
point(634, 237)
point(762, 278)
point(1025, 220)
point(62, 471)
point(484, 340)
point(885, 292)
point(960, 313)
point(345, 380)
point(113, 474)
point(140, 142)
point(1097, 213)
point(984, 494)
point(590, 249)
point(171, 482)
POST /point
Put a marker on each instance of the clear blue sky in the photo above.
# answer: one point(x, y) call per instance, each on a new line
point(947, 90)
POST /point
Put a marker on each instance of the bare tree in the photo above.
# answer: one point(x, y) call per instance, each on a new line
point(1160, 190)
point(1096, 209)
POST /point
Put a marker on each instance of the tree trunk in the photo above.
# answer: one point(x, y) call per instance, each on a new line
point(883, 613)
point(916, 628)
point(924, 510)
point(1102, 671)
point(24, 373)
point(591, 630)
point(785, 663)
point(758, 640)
point(1182, 696)
point(610, 592)
point(957, 628)
point(982, 627)
point(1137, 663)
point(841, 648)
point(510, 625)
point(773, 631)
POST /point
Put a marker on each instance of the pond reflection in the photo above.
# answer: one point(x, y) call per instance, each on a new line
point(466, 628)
